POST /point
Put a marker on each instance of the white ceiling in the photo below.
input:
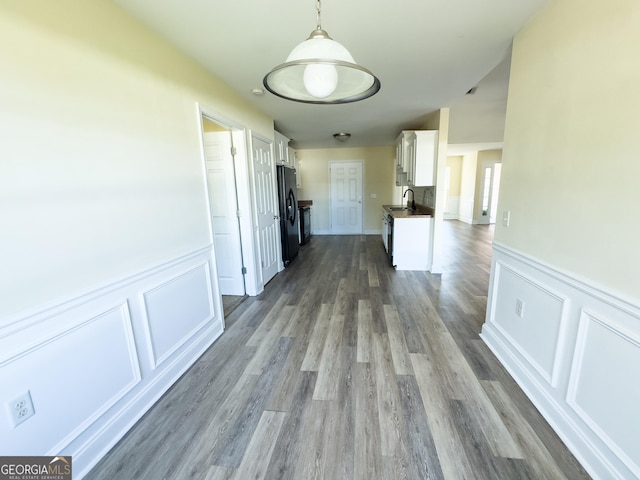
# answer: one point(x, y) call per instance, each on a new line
point(426, 53)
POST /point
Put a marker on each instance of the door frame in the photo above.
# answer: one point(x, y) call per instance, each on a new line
point(337, 162)
point(240, 137)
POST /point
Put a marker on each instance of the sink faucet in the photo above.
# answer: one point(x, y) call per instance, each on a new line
point(413, 200)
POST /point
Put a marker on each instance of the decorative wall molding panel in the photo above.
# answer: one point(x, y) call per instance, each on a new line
point(176, 309)
point(575, 350)
point(60, 374)
point(606, 362)
point(453, 207)
point(531, 317)
point(95, 364)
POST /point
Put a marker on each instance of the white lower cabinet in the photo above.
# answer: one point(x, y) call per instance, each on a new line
point(412, 243)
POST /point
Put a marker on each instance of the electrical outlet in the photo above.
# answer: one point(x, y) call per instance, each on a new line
point(519, 307)
point(20, 408)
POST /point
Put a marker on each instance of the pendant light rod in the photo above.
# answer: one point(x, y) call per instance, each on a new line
point(318, 22)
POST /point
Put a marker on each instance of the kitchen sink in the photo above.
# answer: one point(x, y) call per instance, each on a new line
point(397, 209)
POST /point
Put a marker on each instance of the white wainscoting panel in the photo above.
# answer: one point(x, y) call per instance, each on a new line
point(537, 330)
point(465, 209)
point(452, 211)
point(604, 388)
point(176, 309)
point(95, 363)
point(576, 354)
point(69, 384)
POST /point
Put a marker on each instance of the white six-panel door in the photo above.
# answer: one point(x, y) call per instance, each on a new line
point(266, 208)
point(224, 206)
point(346, 197)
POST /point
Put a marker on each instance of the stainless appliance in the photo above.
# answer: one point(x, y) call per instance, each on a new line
point(288, 200)
point(305, 224)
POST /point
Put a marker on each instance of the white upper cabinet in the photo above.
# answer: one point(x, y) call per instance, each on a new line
point(291, 157)
point(282, 149)
point(416, 152)
point(400, 152)
point(293, 163)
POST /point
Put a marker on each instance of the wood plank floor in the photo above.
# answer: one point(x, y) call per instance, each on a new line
point(347, 369)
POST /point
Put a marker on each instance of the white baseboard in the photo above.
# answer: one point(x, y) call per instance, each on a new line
point(574, 351)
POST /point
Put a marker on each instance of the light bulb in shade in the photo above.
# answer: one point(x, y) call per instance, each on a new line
point(320, 80)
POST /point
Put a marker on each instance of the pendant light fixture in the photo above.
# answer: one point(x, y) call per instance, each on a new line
point(321, 71)
point(342, 137)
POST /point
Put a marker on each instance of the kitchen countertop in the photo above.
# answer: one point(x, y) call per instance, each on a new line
point(405, 212)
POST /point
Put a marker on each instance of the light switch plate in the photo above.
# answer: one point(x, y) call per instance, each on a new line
point(506, 218)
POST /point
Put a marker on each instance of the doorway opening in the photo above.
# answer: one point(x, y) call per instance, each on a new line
point(490, 191)
point(220, 150)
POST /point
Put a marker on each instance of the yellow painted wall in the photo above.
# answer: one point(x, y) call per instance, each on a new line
point(209, 126)
point(570, 172)
point(101, 174)
point(468, 182)
point(454, 163)
point(379, 179)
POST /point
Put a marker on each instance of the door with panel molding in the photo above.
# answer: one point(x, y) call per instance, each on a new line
point(346, 197)
point(223, 201)
point(266, 208)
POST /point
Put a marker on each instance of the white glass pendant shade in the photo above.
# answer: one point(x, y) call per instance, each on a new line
point(321, 70)
point(320, 47)
point(320, 80)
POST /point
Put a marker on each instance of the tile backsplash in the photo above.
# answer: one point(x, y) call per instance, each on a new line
point(425, 196)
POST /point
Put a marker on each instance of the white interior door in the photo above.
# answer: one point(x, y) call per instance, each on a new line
point(224, 207)
point(346, 197)
point(264, 172)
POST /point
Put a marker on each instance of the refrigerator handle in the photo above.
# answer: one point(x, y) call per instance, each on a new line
point(291, 211)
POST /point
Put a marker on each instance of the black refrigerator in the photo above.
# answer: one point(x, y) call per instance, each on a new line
point(288, 200)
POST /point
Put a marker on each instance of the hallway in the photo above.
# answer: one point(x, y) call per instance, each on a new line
point(344, 368)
